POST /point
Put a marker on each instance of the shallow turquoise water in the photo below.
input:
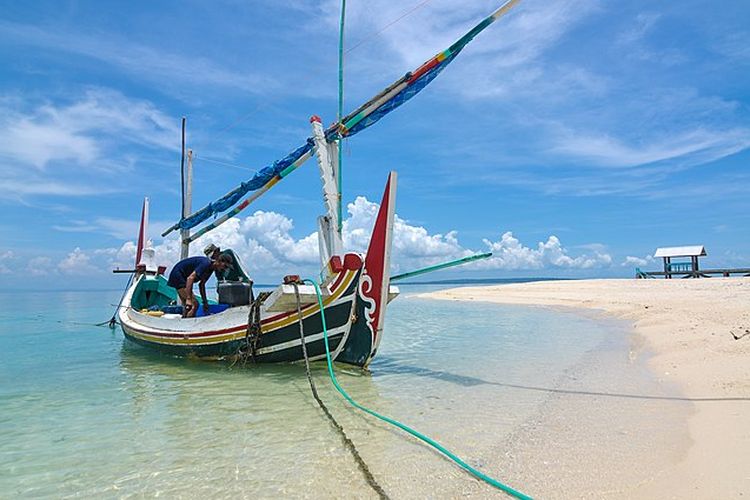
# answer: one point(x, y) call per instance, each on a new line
point(85, 413)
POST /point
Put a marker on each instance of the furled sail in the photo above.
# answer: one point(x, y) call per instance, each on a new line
point(366, 115)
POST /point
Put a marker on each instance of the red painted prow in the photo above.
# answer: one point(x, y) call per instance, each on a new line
point(376, 275)
point(142, 232)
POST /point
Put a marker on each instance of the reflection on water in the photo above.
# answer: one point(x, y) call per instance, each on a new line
point(85, 413)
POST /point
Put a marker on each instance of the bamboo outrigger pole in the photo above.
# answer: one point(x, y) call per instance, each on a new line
point(445, 265)
point(340, 113)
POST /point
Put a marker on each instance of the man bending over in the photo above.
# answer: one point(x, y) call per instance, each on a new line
point(186, 272)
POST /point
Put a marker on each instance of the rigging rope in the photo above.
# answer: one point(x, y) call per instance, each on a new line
point(113, 320)
point(385, 27)
point(487, 479)
point(225, 163)
point(348, 442)
point(314, 72)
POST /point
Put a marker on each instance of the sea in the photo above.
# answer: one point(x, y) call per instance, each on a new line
point(554, 403)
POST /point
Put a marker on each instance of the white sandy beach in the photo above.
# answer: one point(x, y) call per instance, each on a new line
point(690, 327)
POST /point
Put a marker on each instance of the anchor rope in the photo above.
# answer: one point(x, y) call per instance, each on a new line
point(487, 479)
point(371, 481)
point(113, 320)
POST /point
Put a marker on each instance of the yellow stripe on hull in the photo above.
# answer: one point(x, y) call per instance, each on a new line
point(241, 332)
point(217, 339)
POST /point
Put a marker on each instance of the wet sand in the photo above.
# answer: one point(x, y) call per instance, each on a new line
point(696, 334)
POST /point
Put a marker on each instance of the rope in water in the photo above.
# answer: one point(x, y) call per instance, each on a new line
point(487, 479)
point(348, 442)
point(113, 320)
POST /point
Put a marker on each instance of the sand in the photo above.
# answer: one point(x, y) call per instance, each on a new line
point(698, 332)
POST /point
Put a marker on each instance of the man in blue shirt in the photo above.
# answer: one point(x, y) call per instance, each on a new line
point(186, 272)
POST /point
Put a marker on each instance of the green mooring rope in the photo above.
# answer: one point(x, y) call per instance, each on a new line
point(487, 479)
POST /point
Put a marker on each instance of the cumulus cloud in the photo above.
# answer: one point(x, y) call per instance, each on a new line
point(637, 261)
point(39, 266)
point(510, 254)
point(265, 243)
point(5, 257)
point(413, 246)
point(77, 263)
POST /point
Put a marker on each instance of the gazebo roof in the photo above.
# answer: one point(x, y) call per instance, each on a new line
point(686, 251)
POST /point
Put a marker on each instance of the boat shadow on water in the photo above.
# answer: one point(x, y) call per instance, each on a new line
point(389, 366)
point(139, 360)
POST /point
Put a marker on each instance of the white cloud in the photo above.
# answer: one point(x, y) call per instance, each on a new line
point(79, 131)
point(509, 253)
point(6, 256)
point(637, 261)
point(413, 246)
point(38, 141)
point(642, 25)
point(143, 61)
point(77, 263)
point(613, 118)
point(525, 32)
point(40, 266)
point(115, 227)
point(263, 241)
point(267, 248)
point(16, 189)
point(693, 147)
point(83, 140)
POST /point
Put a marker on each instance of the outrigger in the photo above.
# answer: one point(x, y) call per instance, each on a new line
point(356, 288)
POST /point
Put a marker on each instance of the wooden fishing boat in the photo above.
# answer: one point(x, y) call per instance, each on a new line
point(354, 294)
point(355, 288)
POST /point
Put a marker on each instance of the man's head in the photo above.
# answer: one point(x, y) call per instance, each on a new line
point(222, 262)
point(212, 251)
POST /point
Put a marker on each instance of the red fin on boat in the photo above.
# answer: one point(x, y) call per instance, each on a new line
point(142, 232)
point(376, 275)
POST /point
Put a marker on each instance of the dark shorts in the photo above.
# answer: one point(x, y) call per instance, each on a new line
point(176, 281)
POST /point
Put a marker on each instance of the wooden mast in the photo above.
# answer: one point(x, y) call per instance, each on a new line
point(187, 193)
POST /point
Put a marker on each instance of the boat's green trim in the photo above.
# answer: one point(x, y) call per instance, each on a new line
point(152, 291)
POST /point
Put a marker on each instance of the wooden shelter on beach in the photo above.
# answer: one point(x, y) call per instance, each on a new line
point(685, 269)
point(669, 253)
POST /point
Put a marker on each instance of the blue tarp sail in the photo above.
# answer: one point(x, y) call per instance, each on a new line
point(256, 182)
point(407, 93)
point(366, 115)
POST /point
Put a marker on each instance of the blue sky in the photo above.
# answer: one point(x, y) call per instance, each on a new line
point(571, 137)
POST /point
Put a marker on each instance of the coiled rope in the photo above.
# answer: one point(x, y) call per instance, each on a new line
point(487, 479)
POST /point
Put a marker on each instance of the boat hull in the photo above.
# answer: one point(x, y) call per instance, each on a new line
point(225, 335)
